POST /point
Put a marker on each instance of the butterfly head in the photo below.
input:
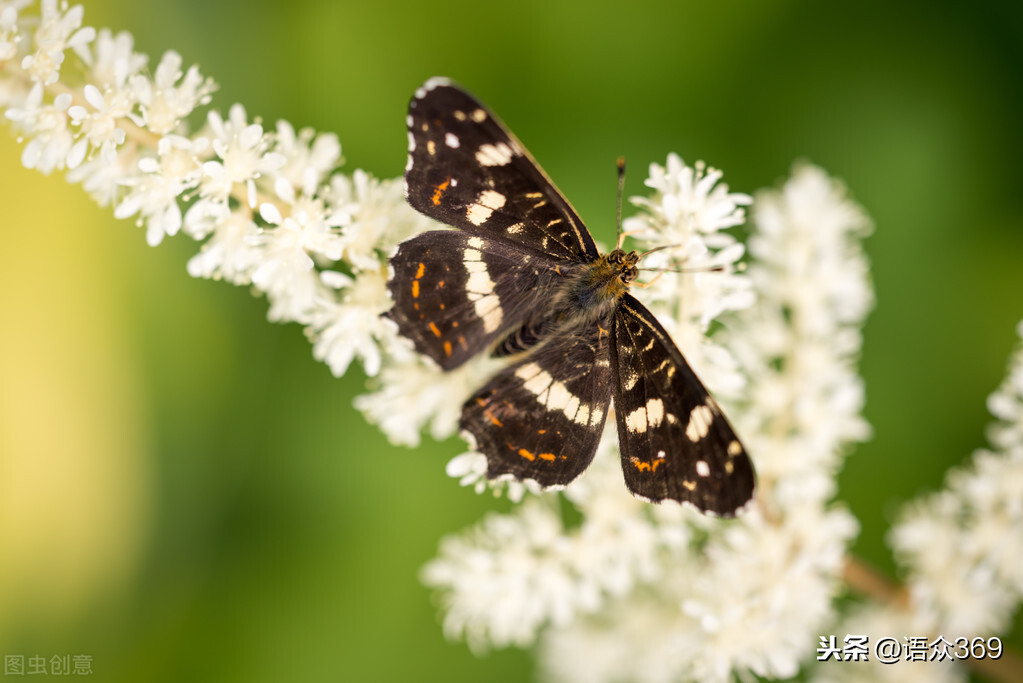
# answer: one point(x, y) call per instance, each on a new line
point(623, 264)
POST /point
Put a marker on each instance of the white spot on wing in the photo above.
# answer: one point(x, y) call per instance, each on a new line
point(528, 371)
point(699, 422)
point(494, 155)
point(538, 383)
point(636, 421)
point(479, 288)
point(479, 116)
point(451, 140)
point(559, 397)
point(487, 202)
point(702, 468)
point(555, 395)
point(655, 412)
point(480, 283)
point(435, 82)
point(630, 380)
point(487, 306)
point(650, 415)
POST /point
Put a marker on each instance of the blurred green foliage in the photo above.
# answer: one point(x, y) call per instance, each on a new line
point(256, 528)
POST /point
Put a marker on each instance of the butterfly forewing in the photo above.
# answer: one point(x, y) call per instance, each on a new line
point(541, 418)
point(466, 169)
point(675, 443)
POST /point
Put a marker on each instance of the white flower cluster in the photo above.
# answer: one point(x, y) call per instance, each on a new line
point(661, 593)
point(696, 278)
point(800, 344)
point(268, 205)
point(960, 547)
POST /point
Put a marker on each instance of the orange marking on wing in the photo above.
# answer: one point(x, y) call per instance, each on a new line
point(493, 420)
point(447, 348)
point(415, 289)
point(526, 454)
point(461, 340)
point(435, 329)
point(541, 431)
point(548, 456)
point(440, 285)
point(600, 331)
point(439, 190)
point(422, 269)
point(646, 466)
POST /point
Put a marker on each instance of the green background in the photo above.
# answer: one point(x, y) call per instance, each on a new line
point(188, 495)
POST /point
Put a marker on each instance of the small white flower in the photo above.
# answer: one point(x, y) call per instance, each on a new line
point(155, 192)
point(414, 393)
point(9, 36)
point(229, 253)
point(105, 180)
point(169, 98)
point(112, 60)
point(352, 327)
point(242, 152)
point(376, 218)
point(58, 30)
point(101, 125)
point(309, 159)
point(47, 126)
point(470, 469)
point(688, 201)
point(285, 273)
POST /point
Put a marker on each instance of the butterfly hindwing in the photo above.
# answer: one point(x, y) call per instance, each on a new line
point(675, 442)
point(466, 169)
point(542, 417)
point(455, 293)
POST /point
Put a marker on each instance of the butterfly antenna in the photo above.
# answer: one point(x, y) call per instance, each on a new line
point(663, 246)
point(621, 191)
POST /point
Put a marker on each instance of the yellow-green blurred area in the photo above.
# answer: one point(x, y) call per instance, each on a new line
point(185, 494)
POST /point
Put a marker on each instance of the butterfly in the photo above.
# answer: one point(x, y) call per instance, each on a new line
point(522, 277)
